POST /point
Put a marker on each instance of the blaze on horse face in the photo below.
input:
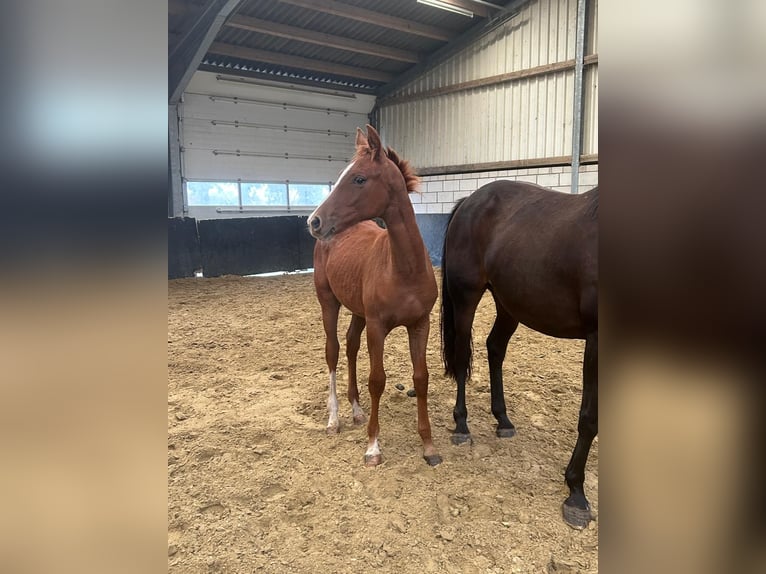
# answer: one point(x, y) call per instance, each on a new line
point(362, 191)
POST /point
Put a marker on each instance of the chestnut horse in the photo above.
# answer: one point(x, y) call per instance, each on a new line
point(383, 276)
point(536, 250)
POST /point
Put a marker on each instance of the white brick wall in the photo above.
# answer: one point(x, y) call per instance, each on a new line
point(451, 185)
point(589, 178)
point(430, 197)
point(440, 192)
point(446, 197)
point(548, 179)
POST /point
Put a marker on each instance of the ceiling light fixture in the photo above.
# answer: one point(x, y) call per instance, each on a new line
point(488, 4)
point(447, 7)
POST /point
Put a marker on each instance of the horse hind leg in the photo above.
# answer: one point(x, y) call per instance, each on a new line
point(330, 310)
point(353, 338)
point(576, 508)
point(497, 345)
point(464, 309)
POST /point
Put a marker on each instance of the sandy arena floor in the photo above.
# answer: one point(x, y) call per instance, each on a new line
point(255, 484)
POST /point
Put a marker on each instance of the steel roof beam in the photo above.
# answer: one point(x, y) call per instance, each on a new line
point(188, 53)
point(321, 39)
point(177, 7)
point(452, 48)
point(299, 62)
point(371, 17)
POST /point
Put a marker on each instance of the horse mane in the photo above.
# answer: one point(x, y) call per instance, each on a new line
point(411, 179)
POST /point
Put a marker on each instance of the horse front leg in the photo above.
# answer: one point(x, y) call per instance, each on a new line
point(576, 508)
point(497, 345)
point(330, 310)
point(353, 338)
point(376, 336)
point(418, 337)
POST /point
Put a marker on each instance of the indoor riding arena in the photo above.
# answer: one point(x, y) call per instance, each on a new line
point(272, 108)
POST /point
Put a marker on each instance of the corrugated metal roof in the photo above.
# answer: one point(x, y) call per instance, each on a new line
point(318, 63)
point(307, 50)
point(214, 62)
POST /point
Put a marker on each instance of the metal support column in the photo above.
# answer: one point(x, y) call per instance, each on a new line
point(176, 207)
point(578, 94)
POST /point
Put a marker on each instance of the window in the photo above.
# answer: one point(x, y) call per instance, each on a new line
point(212, 193)
point(273, 194)
point(310, 194)
point(267, 195)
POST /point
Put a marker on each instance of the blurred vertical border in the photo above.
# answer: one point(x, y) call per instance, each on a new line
point(83, 151)
point(683, 278)
point(83, 292)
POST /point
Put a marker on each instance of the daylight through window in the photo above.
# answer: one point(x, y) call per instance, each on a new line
point(256, 194)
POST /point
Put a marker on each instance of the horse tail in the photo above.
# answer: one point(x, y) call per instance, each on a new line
point(447, 315)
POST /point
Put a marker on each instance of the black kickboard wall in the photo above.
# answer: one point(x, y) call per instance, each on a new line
point(184, 255)
point(253, 245)
point(260, 244)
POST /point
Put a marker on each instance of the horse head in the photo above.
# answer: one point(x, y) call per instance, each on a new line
point(370, 183)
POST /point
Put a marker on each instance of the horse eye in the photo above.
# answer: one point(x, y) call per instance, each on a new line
point(359, 180)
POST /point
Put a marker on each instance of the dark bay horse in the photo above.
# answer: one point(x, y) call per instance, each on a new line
point(383, 276)
point(536, 250)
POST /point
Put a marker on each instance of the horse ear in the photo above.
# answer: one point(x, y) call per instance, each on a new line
point(373, 141)
point(361, 139)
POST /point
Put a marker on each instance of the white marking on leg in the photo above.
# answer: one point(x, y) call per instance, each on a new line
point(332, 405)
point(373, 449)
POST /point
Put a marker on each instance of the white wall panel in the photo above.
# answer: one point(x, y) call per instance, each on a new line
point(590, 110)
point(200, 137)
point(527, 118)
point(591, 36)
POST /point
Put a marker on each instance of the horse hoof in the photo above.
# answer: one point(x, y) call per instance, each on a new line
point(461, 438)
point(577, 518)
point(505, 433)
point(360, 419)
point(372, 459)
point(333, 429)
point(411, 393)
point(433, 459)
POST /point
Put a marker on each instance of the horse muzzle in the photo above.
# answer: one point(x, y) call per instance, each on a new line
point(317, 229)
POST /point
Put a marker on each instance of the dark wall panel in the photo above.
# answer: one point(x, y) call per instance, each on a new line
point(248, 246)
point(432, 227)
point(306, 244)
point(260, 244)
point(184, 255)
